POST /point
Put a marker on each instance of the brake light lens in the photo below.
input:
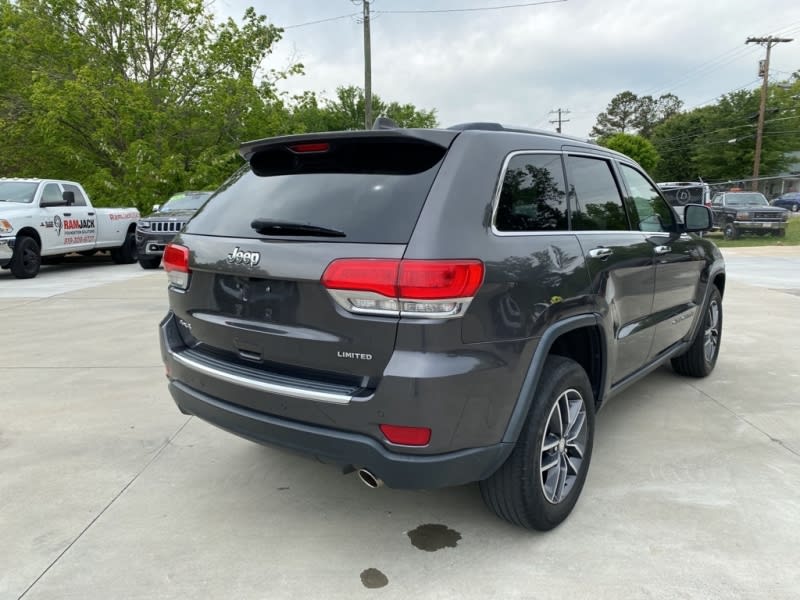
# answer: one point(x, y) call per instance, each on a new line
point(422, 288)
point(407, 436)
point(310, 148)
point(176, 264)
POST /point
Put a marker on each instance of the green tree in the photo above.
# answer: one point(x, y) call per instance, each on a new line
point(136, 98)
point(636, 147)
point(629, 113)
point(346, 111)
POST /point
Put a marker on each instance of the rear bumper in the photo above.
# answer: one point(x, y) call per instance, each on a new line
point(198, 389)
point(344, 448)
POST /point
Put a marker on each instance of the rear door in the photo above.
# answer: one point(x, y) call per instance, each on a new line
point(260, 246)
point(620, 261)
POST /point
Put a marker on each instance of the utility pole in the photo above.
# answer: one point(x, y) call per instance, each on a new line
point(559, 120)
point(367, 68)
point(768, 43)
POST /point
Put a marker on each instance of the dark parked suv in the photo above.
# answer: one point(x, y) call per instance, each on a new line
point(437, 307)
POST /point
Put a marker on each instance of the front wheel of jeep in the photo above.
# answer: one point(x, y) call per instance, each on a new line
point(539, 484)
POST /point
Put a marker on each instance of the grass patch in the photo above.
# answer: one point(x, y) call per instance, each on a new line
point(792, 238)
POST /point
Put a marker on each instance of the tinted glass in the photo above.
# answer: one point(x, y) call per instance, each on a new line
point(186, 201)
point(744, 199)
point(51, 193)
point(683, 195)
point(373, 195)
point(594, 197)
point(80, 199)
point(533, 196)
point(17, 191)
point(652, 212)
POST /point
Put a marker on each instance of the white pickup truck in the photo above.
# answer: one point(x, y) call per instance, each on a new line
point(48, 218)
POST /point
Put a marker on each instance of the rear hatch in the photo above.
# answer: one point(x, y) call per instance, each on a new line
point(260, 246)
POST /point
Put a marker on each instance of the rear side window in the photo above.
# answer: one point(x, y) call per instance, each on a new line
point(533, 196)
point(594, 197)
point(371, 190)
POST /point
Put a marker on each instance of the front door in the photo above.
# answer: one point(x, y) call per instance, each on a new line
point(678, 259)
point(80, 224)
point(619, 260)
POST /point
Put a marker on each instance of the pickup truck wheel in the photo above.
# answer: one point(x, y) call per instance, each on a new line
point(539, 484)
point(27, 258)
point(702, 355)
point(125, 254)
point(730, 232)
point(149, 262)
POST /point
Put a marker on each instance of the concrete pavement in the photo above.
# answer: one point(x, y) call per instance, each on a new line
point(107, 491)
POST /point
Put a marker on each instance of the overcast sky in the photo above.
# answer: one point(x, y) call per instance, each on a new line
point(517, 64)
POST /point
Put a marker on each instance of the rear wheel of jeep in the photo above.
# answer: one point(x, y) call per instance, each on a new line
point(701, 357)
point(539, 484)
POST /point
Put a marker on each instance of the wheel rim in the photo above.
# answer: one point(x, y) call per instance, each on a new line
point(711, 336)
point(563, 446)
point(729, 232)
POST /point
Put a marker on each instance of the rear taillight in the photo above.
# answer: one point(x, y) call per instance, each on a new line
point(409, 288)
point(176, 264)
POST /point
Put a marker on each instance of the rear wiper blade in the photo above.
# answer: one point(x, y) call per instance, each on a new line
point(268, 227)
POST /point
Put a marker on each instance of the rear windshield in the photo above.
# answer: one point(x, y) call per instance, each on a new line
point(372, 194)
point(683, 196)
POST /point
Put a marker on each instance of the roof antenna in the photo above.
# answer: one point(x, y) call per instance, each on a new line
point(384, 122)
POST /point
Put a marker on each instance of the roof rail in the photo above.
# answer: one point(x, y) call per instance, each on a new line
point(478, 125)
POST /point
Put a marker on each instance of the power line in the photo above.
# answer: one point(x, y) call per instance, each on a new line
point(457, 10)
point(322, 21)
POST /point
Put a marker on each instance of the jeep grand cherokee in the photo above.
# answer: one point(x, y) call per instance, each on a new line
point(437, 307)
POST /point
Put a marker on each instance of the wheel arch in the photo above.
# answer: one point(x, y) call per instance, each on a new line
point(580, 338)
point(31, 233)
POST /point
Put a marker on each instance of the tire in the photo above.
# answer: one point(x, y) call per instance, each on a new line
point(149, 262)
point(795, 207)
point(701, 357)
point(27, 259)
point(126, 254)
point(730, 232)
point(520, 491)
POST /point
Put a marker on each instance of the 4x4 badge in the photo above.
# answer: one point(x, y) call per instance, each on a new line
point(240, 257)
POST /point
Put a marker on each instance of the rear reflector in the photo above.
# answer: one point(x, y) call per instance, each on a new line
point(424, 288)
point(176, 264)
point(407, 436)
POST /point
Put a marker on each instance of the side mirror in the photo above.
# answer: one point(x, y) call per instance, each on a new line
point(156, 207)
point(697, 217)
point(69, 198)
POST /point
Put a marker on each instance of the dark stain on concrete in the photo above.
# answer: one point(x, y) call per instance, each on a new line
point(373, 578)
point(432, 537)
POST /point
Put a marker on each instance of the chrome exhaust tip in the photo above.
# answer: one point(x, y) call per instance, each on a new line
point(369, 480)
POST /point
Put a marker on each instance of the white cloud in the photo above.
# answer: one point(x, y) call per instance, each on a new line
point(516, 65)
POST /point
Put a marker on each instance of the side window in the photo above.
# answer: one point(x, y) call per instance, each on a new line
point(594, 197)
point(80, 199)
point(652, 211)
point(717, 201)
point(51, 193)
point(533, 196)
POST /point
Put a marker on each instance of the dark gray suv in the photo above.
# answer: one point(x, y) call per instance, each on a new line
point(437, 307)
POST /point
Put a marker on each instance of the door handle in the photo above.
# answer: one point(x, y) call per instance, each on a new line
point(91, 214)
point(662, 249)
point(601, 252)
point(67, 214)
